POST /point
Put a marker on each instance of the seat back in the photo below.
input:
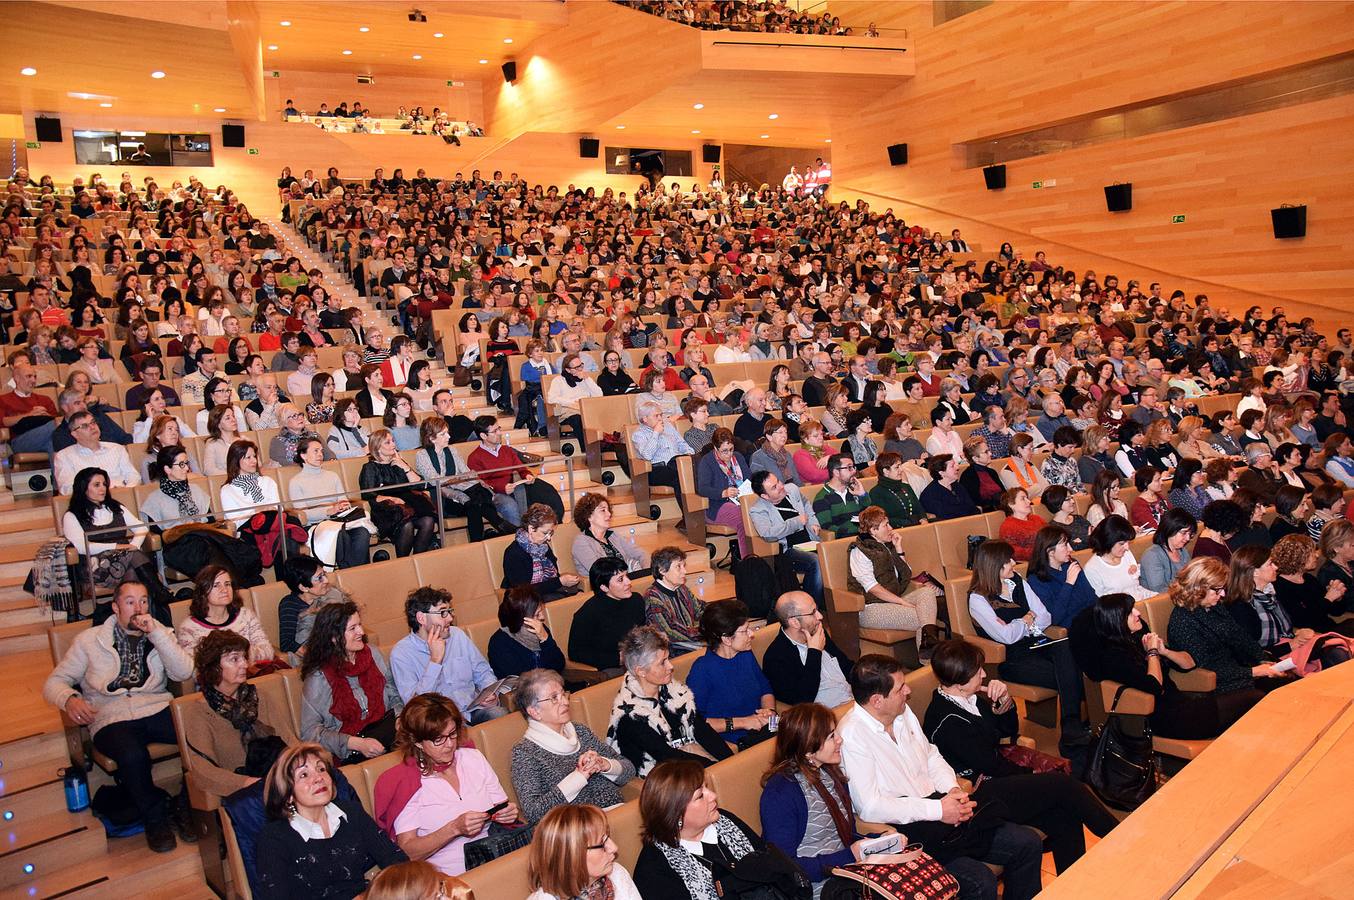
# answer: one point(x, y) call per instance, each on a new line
point(923, 550)
point(626, 828)
point(559, 618)
point(738, 782)
point(1156, 612)
point(464, 570)
point(592, 705)
point(265, 599)
point(371, 772)
point(834, 565)
point(760, 546)
point(480, 632)
point(495, 739)
point(380, 590)
point(763, 638)
point(60, 637)
point(952, 535)
point(292, 687)
point(923, 683)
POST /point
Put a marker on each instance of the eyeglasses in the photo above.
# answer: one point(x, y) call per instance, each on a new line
point(602, 845)
point(179, 464)
point(443, 613)
point(443, 740)
point(553, 698)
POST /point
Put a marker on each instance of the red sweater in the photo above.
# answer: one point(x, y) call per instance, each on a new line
point(1020, 535)
point(481, 460)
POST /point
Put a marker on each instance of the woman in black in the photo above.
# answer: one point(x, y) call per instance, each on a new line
point(969, 722)
point(403, 513)
point(613, 379)
point(1111, 643)
point(1309, 603)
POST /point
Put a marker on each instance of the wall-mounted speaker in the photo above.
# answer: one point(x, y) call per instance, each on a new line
point(589, 148)
point(898, 154)
point(1289, 221)
point(232, 135)
point(1119, 197)
point(710, 153)
point(510, 71)
point(49, 130)
point(995, 176)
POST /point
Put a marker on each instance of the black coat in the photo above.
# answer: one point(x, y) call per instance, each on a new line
point(795, 682)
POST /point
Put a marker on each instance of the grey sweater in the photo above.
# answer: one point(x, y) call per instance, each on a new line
point(320, 725)
point(537, 773)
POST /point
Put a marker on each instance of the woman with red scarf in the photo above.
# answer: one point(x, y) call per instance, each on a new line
point(348, 701)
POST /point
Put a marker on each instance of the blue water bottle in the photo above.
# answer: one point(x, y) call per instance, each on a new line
point(77, 789)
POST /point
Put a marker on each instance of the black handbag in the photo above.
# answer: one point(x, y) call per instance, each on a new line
point(501, 840)
point(1123, 766)
point(764, 874)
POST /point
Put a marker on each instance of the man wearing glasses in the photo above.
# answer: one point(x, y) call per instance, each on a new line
point(839, 503)
point(802, 663)
point(70, 402)
point(436, 657)
point(90, 452)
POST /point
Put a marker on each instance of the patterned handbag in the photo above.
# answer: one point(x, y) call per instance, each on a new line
point(1036, 761)
point(501, 840)
point(916, 877)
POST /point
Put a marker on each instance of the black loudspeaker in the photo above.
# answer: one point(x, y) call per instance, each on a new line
point(49, 130)
point(898, 154)
point(1289, 221)
point(1119, 197)
point(995, 176)
point(710, 153)
point(232, 135)
point(588, 148)
point(510, 71)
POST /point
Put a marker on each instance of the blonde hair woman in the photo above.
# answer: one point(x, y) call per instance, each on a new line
point(573, 855)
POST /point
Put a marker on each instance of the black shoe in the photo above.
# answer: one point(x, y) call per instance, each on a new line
point(181, 819)
point(1074, 734)
point(160, 837)
point(380, 556)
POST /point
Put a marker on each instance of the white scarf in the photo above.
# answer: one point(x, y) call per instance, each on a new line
point(561, 743)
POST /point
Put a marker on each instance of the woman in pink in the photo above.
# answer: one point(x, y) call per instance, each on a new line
point(438, 799)
point(811, 458)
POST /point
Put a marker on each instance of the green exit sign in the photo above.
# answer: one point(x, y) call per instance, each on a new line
point(253, 151)
point(1038, 184)
point(450, 83)
point(274, 74)
point(32, 145)
point(1177, 220)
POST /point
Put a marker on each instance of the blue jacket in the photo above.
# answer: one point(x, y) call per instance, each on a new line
point(785, 818)
point(711, 482)
point(508, 657)
point(1062, 600)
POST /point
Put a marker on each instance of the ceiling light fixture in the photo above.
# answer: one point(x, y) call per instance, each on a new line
point(157, 74)
point(364, 29)
point(507, 40)
point(417, 56)
point(828, 141)
point(695, 131)
point(219, 109)
point(765, 136)
point(28, 70)
point(484, 62)
point(699, 106)
point(437, 34)
point(774, 116)
point(347, 53)
point(285, 23)
point(620, 127)
point(272, 46)
point(106, 105)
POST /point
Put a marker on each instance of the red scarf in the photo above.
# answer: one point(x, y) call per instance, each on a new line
point(344, 705)
point(398, 785)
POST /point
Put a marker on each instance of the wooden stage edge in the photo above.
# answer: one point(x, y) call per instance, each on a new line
point(1263, 812)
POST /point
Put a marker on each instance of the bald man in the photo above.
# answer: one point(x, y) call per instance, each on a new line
point(802, 663)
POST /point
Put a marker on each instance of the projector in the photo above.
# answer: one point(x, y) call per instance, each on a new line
point(417, 16)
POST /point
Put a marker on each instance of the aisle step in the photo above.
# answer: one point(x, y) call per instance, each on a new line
point(128, 869)
point(46, 747)
point(50, 843)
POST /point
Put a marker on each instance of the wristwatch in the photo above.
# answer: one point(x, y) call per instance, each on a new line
point(728, 724)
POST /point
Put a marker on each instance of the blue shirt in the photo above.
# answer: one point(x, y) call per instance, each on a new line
point(462, 674)
point(727, 688)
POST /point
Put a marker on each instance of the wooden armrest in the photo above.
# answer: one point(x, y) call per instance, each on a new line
point(870, 827)
point(456, 889)
point(1025, 741)
point(1200, 680)
point(1056, 632)
point(1132, 702)
point(993, 651)
point(585, 674)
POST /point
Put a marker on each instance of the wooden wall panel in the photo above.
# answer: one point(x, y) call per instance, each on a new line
point(769, 165)
point(1016, 65)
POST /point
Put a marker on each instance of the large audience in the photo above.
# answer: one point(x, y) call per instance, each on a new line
point(769, 16)
point(911, 382)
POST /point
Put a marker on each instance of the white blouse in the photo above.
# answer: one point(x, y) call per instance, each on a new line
point(1120, 579)
point(237, 506)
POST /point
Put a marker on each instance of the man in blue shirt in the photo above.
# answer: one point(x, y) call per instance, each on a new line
point(437, 657)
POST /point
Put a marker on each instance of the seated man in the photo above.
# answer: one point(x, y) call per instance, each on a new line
point(501, 470)
point(89, 451)
point(841, 499)
point(896, 776)
point(606, 617)
point(658, 443)
point(31, 418)
point(115, 680)
point(782, 515)
point(436, 657)
point(70, 402)
point(750, 425)
point(802, 663)
point(669, 604)
point(152, 370)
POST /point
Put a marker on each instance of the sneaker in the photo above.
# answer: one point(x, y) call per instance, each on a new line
point(160, 837)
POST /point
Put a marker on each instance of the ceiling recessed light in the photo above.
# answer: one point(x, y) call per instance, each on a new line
point(828, 141)
point(774, 116)
point(106, 105)
point(695, 131)
point(347, 53)
point(364, 29)
point(219, 109)
point(699, 106)
point(620, 127)
point(484, 62)
point(437, 34)
point(157, 74)
point(272, 46)
point(765, 136)
point(284, 23)
point(28, 70)
point(417, 56)
point(507, 40)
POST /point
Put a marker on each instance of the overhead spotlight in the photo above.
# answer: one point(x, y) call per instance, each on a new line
point(507, 40)
point(765, 136)
point(774, 116)
point(219, 109)
point(364, 29)
point(698, 106)
point(417, 56)
point(272, 46)
point(157, 74)
point(106, 105)
point(347, 53)
point(484, 62)
point(437, 34)
point(284, 23)
point(28, 70)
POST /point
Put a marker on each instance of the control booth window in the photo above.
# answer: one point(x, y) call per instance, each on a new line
point(142, 148)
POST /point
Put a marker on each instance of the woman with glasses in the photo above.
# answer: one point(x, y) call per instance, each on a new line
point(573, 856)
point(400, 421)
point(530, 560)
point(567, 390)
point(558, 760)
point(217, 393)
point(718, 476)
point(438, 798)
point(282, 449)
point(731, 691)
point(321, 406)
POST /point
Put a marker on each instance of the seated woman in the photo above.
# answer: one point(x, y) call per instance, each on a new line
point(1150, 504)
point(718, 476)
point(566, 392)
point(559, 761)
point(114, 679)
point(400, 421)
point(1095, 456)
point(1158, 447)
point(879, 571)
point(282, 448)
point(223, 429)
point(1189, 489)
point(898, 438)
point(372, 398)
point(1132, 453)
point(348, 438)
point(980, 480)
point(1003, 611)
point(153, 408)
point(310, 589)
point(1253, 603)
point(687, 837)
point(220, 731)
point(1111, 642)
point(1308, 602)
point(970, 722)
point(462, 494)
point(595, 539)
point(348, 696)
point(1327, 506)
point(573, 855)
point(217, 607)
point(1062, 504)
point(893, 494)
point(1202, 627)
point(245, 489)
point(944, 439)
point(318, 845)
point(1057, 578)
point(945, 498)
point(530, 560)
point(1020, 470)
point(654, 718)
point(340, 532)
point(805, 805)
point(1114, 568)
point(858, 444)
point(1021, 523)
point(1221, 522)
point(112, 551)
point(1167, 555)
point(403, 512)
point(605, 618)
point(732, 694)
point(438, 798)
point(522, 641)
point(320, 409)
point(164, 432)
point(811, 458)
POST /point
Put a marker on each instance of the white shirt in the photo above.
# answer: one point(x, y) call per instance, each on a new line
point(726, 354)
point(312, 831)
point(1120, 579)
point(939, 442)
point(202, 414)
point(110, 457)
point(1007, 632)
point(141, 430)
point(891, 779)
point(102, 518)
point(833, 689)
point(621, 882)
point(238, 506)
point(709, 836)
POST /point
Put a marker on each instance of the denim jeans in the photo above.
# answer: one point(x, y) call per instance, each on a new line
point(34, 440)
point(806, 564)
